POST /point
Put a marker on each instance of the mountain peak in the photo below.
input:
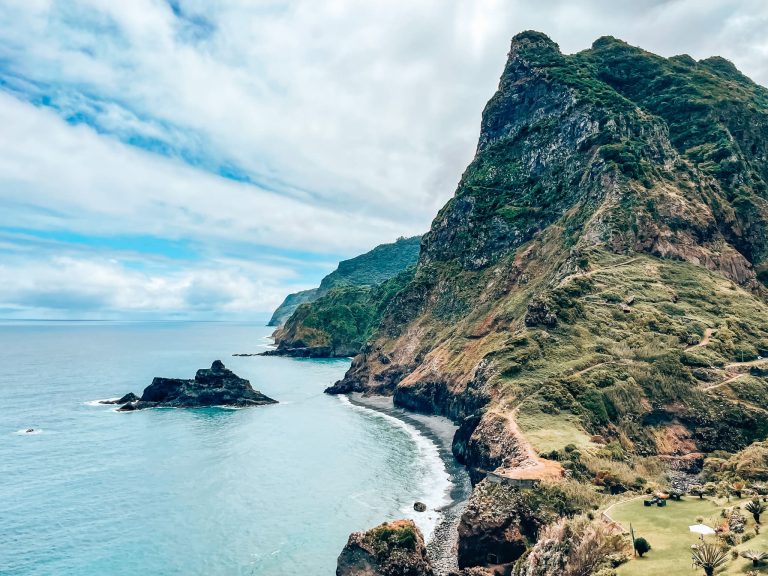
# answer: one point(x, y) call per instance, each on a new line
point(533, 48)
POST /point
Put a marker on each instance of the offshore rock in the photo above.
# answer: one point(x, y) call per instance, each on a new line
point(391, 549)
point(130, 397)
point(216, 386)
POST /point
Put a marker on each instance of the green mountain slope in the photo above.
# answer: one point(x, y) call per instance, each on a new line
point(598, 278)
point(369, 269)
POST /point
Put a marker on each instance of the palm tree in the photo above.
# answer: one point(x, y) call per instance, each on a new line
point(709, 557)
point(737, 488)
point(755, 556)
point(755, 507)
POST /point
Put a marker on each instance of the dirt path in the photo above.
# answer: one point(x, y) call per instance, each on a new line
point(533, 467)
point(737, 365)
point(738, 401)
point(595, 271)
point(723, 383)
point(612, 266)
point(705, 339)
point(608, 363)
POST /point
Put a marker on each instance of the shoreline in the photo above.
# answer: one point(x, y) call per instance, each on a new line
point(438, 430)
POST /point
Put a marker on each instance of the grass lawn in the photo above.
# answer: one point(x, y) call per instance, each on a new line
point(667, 531)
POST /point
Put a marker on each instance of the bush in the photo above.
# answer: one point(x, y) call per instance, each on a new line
point(642, 546)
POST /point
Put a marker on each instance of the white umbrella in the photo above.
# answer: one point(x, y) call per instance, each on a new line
point(702, 529)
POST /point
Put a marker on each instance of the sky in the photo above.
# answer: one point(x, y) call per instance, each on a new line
point(200, 159)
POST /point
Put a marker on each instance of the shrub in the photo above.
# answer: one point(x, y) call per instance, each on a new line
point(709, 557)
point(571, 547)
point(755, 507)
point(755, 556)
point(642, 546)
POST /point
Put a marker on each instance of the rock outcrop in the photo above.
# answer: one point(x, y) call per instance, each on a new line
point(391, 549)
point(216, 386)
point(130, 397)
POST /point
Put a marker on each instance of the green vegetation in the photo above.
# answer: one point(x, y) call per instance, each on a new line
point(709, 557)
point(755, 556)
point(370, 269)
point(642, 546)
point(755, 507)
point(388, 537)
point(573, 547)
point(341, 321)
point(667, 528)
point(375, 267)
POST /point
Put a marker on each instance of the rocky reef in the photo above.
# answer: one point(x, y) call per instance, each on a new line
point(216, 386)
point(391, 549)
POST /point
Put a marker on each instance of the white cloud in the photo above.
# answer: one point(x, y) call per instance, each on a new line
point(64, 286)
point(359, 116)
point(100, 186)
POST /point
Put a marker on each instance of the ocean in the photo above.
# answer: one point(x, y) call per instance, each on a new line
point(269, 491)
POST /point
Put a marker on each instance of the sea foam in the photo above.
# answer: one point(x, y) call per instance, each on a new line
point(435, 483)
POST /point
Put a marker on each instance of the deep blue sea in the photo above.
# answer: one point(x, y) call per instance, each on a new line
point(271, 490)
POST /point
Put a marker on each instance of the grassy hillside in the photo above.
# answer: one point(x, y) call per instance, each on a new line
point(594, 293)
point(369, 269)
point(340, 322)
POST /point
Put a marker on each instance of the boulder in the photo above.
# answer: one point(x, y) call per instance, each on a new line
point(215, 386)
point(130, 397)
point(420, 507)
point(391, 549)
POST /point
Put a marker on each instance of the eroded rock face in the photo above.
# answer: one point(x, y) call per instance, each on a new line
point(391, 549)
point(216, 386)
point(496, 527)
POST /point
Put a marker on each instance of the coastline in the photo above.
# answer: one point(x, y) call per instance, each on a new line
point(443, 540)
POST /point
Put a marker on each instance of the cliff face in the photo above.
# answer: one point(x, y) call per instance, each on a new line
point(601, 263)
point(370, 269)
point(392, 549)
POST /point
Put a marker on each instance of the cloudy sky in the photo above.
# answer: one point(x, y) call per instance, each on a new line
point(202, 158)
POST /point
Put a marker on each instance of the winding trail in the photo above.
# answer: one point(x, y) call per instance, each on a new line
point(704, 340)
point(749, 364)
point(590, 273)
point(724, 382)
point(532, 467)
point(626, 362)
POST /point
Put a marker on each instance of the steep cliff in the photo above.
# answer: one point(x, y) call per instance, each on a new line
point(590, 306)
point(370, 269)
point(599, 268)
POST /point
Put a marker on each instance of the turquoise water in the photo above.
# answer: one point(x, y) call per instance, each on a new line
point(272, 490)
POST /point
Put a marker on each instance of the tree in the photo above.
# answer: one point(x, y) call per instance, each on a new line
point(737, 487)
point(755, 556)
point(642, 546)
point(697, 490)
point(709, 557)
point(755, 507)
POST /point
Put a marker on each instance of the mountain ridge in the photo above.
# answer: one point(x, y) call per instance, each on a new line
point(368, 269)
point(598, 280)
